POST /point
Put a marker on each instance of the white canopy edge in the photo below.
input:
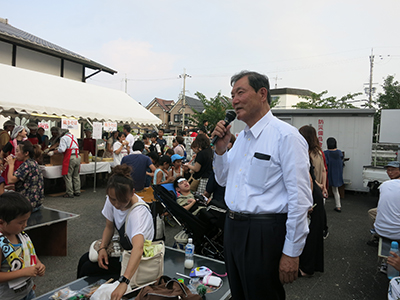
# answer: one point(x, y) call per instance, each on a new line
point(34, 92)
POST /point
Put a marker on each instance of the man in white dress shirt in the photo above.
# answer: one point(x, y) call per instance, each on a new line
point(268, 193)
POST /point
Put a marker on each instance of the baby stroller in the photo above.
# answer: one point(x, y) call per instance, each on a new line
point(207, 237)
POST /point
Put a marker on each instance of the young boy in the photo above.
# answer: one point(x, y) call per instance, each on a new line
point(17, 255)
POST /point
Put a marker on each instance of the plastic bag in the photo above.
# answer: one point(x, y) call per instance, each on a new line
point(104, 291)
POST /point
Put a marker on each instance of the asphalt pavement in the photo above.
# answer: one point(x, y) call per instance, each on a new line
point(351, 267)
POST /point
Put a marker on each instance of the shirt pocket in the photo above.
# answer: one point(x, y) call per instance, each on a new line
point(259, 172)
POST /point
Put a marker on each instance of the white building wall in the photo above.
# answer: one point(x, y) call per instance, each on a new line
point(5, 53)
point(72, 70)
point(37, 61)
point(287, 101)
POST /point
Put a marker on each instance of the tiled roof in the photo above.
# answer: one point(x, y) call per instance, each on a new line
point(194, 103)
point(165, 104)
point(19, 37)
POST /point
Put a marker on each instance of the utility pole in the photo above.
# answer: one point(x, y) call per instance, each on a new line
point(126, 84)
point(184, 75)
point(276, 81)
point(371, 66)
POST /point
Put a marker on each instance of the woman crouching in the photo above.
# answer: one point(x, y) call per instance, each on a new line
point(117, 208)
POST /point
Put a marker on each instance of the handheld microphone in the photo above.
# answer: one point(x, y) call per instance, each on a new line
point(229, 117)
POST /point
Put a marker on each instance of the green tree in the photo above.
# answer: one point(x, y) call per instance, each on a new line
point(317, 101)
point(214, 109)
point(389, 99)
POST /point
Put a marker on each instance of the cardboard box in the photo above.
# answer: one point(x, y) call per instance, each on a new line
point(84, 156)
point(57, 159)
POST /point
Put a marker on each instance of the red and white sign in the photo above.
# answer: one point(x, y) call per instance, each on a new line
point(110, 126)
point(320, 131)
point(69, 124)
point(44, 125)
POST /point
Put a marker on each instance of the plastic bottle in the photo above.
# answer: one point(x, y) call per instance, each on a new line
point(391, 271)
point(90, 156)
point(189, 251)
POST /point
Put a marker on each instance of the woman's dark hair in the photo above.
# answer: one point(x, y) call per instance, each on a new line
point(310, 134)
point(121, 134)
point(121, 181)
point(26, 146)
point(203, 140)
point(331, 143)
point(195, 144)
point(180, 139)
point(256, 81)
point(13, 205)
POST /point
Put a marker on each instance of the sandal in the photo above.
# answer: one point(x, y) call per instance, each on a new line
point(68, 196)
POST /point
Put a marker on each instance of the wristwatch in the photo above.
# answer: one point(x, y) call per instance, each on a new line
point(124, 279)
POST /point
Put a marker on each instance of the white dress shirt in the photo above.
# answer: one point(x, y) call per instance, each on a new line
point(276, 182)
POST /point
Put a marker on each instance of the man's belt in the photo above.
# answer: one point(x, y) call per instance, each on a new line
point(244, 217)
point(74, 151)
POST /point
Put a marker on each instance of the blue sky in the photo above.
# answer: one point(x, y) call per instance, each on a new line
point(309, 44)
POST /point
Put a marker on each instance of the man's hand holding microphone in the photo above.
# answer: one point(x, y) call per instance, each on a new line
point(221, 134)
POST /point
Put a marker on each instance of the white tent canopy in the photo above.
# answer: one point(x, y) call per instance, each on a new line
point(25, 91)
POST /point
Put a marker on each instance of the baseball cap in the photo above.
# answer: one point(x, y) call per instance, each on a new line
point(175, 157)
point(394, 164)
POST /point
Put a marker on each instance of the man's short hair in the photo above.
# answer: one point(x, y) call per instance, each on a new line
point(256, 81)
point(161, 130)
point(127, 128)
point(176, 181)
point(138, 146)
point(154, 135)
point(13, 205)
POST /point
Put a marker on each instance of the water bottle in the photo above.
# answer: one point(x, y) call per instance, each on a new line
point(391, 271)
point(90, 156)
point(189, 251)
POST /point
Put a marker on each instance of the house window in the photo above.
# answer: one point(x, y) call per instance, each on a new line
point(178, 118)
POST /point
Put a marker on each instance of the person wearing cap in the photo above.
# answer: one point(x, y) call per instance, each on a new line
point(89, 143)
point(71, 163)
point(18, 135)
point(33, 136)
point(387, 222)
point(268, 193)
point(177, 169)
point(8, 127)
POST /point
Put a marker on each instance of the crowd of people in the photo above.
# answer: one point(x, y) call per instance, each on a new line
point(274, 193)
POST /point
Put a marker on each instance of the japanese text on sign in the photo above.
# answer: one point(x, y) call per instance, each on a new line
point(320, 131)
point(110, 126)
point(69, 124)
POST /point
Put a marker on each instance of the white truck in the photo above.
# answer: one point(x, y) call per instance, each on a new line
point(386, 150)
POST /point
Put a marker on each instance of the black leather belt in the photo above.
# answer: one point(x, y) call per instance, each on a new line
point(74, 152)
point(244, 217)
